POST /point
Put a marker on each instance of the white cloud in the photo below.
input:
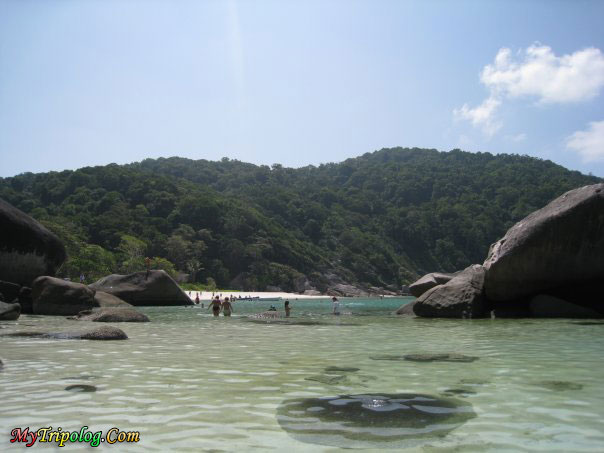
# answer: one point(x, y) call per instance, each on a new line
point(588, 143)
point(516, 138)
point(481, 116)
point(539, 72)
point(535, 72)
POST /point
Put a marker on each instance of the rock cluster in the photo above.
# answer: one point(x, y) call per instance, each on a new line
point(547, 265)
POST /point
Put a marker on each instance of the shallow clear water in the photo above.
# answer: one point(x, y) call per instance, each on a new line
point(188, 381)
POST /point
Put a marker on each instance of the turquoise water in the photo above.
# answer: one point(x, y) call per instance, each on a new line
point(189, 382)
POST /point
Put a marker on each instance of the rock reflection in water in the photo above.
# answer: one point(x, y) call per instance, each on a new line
point(384, 420)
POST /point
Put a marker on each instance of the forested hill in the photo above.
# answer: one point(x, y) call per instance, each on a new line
point(377, 220)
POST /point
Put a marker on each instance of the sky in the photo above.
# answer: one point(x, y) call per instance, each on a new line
point(86, 83)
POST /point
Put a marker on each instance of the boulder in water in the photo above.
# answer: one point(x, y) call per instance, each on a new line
point(53, 296)
point(155, 288)
point(461, 297)
point(107, 300)
point(27, 249)
point(429, 281)
point(111, 314)
point(9, 291)
point(25, 300)
point(95, 333)
point(560, 244)
point(9, 312)
point(407, 309)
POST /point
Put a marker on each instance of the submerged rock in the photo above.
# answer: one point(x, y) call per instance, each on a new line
point(450, 357)
point(327, 379)
point(96, 333)
point(461, 297)
point(111, 314)
point(462, 392)
point(372, 420)
point(557, 245)
point(559, 386)
point(341, 369)
point(268, 315)
point(27, 249)
point(155, 288)
point(429, 281)
point(9, 312)
point(80, 388)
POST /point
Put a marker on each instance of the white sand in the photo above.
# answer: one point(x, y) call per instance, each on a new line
point(207, 295)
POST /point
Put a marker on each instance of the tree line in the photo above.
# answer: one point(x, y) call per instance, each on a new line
point(380, 219)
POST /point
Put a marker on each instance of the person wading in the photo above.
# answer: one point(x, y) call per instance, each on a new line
point(215, 306)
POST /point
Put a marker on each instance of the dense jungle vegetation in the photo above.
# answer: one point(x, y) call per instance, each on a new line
point(379, 219)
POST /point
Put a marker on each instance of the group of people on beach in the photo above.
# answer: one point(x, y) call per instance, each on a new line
point(217, 305)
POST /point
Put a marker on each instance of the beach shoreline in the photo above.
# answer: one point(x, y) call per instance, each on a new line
point(245, 296)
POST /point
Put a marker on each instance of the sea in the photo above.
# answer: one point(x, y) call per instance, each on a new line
point(315, 382)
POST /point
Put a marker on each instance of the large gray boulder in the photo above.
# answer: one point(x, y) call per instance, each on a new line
point(560, 244)
point(54, 296)
point(9, 312)
point(27, 249)
point(461, 297)
point(155, 288)
point(429, 281)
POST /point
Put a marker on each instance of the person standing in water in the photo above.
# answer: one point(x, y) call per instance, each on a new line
point(215, 306)
point(227, 307)
point(197, 299)
point(287, 309)
point(336, 305)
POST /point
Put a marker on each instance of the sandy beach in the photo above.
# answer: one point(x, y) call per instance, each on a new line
point(207, 295)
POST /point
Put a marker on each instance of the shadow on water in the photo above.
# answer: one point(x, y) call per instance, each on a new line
point(450, 357)
point(372, 420)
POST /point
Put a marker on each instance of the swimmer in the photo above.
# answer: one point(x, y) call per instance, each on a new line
point(227, 308)
point(197, 299)
point(215, 306)
point(336, 305)
point(287, 308)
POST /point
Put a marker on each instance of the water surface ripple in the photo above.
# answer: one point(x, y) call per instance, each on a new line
point(190, 382)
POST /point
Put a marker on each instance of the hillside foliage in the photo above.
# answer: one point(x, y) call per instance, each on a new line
point(380, 219)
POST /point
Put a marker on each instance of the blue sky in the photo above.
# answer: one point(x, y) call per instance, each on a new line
point(297, 82)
